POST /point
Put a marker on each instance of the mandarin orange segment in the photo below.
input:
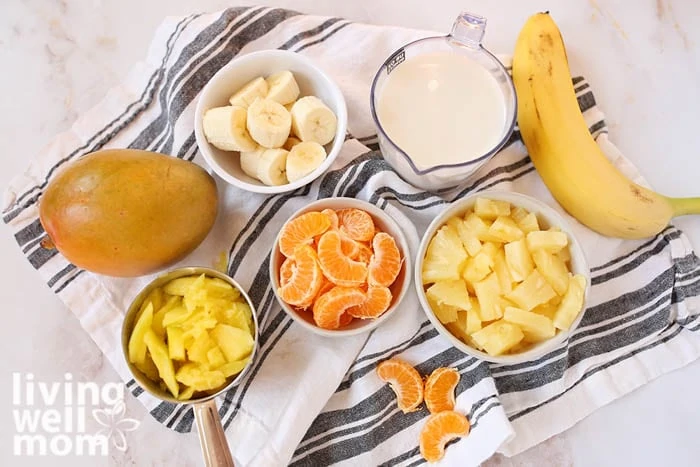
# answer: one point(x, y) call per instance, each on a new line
point(440, 429)
point(338, 268)
point(378, 301)
point(306, 279)
point(330, 307)
point(345, 319)
point(440, 389)
point(357, 223)
point(332, 216)
point(349, 247)
point(405, 381)
point(286, 270)
point(385, 264)
point(302, 230)
point(364, 254)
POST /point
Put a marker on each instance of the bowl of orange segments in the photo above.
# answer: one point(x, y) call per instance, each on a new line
point(340, 266)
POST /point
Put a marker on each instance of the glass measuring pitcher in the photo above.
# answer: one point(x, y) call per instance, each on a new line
point(443, 106)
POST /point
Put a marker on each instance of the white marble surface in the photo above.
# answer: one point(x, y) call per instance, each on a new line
point(59, 57)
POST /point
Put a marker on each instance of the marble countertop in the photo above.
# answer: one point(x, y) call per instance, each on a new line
point(59, 57)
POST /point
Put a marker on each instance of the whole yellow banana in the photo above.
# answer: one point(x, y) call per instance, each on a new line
point(565, 154)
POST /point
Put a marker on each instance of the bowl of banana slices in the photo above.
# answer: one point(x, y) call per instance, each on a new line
point(270, 122)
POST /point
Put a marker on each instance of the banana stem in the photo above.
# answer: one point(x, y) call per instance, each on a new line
point(683, 206)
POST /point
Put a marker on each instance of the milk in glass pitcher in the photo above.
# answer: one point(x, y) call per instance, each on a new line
point(443, 106)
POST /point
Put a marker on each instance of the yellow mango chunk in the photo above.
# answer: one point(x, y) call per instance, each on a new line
point(233, 342)
point(176, 342)
point(137, 346)
point(159, 353)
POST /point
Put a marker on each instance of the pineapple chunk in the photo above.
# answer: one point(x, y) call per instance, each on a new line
point(444, 313)
point(557, 300)
point(473, 318)
point(478, 227)
point(491, 208)
point(572, 303)
point(492, 249)
point(452, 293)
point(505, 279)
point(517, 214)
point(551, 241)
point(533, 291)
point(529, 223)
point(477, 268)
point(518, 260)
point(459, 326)
point(498, 337)
point(553, 269)
point(505, 230)
point(460, 334)
point(564, 254)
point(445, 256)
point(520, 347)
point(536, 327)
point(546, 309)
point(488, 293)
point(469, 240)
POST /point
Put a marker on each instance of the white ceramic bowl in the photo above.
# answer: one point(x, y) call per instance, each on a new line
point(312, 82)
point(547, 217)
point(384, 223)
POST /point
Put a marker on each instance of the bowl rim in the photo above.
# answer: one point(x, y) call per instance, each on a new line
point(326, 82)
point(130, 316)
point(402, 243)
point(463, 204)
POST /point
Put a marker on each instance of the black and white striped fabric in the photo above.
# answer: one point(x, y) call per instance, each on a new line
point(311, 401)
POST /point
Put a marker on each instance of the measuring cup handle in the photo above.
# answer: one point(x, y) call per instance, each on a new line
point(211, 435)
point(468, 29)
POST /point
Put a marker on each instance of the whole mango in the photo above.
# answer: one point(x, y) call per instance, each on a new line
point(127, 212)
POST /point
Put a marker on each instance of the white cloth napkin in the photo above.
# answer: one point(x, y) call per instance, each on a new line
point(316, 401)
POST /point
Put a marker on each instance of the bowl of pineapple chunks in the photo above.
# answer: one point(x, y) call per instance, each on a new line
point(190, 334)
point(502, 276)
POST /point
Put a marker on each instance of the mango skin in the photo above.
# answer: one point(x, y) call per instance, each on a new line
point(126, 212)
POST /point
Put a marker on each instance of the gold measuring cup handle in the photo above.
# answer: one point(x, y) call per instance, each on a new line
point(211, 435)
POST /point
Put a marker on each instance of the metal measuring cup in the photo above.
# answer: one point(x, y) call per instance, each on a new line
point(212, 439)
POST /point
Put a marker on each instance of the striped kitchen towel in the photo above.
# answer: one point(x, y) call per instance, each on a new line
point(313, 401)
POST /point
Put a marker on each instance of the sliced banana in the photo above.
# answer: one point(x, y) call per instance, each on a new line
point(272, 167)
point(312, 120)
point(254, 89)
point(269, 123)
point(282, 87)
point(303, 159)
point(250, 160)
point(225, 128)
point(290, 143)
point(289, 106)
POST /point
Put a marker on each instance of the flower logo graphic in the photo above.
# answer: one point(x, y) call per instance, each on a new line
point(114, 425)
